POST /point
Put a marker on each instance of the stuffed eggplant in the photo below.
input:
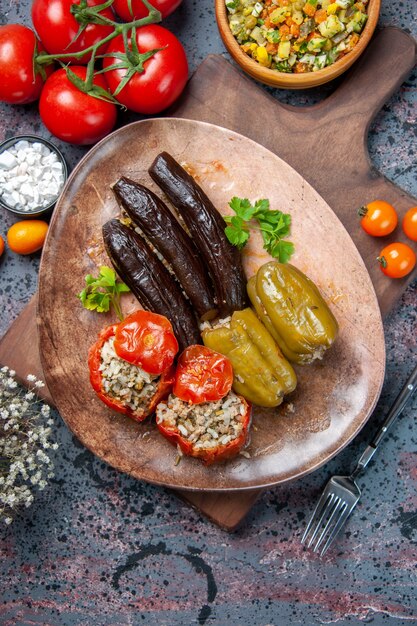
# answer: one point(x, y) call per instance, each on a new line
point(206, 226)
point(149, 280)
point(164, 232)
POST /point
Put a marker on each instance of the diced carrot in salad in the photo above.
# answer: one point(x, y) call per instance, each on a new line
point(300, 68)
point(297, 35)
point(271, 48)
point(309, 9)
point(320, 16)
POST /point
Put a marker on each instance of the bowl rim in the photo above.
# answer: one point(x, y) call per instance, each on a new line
point(274, 78)
point(6, 143)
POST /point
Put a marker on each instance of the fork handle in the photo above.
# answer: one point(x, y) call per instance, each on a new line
point(396, 409)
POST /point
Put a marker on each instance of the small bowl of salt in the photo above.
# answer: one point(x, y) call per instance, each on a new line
point(32, 174)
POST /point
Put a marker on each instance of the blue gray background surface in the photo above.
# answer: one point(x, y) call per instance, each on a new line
point(101, 548)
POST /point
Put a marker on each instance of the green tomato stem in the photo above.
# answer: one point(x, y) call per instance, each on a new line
point(153, 17)
point(107, 21)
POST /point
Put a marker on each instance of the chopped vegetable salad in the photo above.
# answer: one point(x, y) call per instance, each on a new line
point(295, 35)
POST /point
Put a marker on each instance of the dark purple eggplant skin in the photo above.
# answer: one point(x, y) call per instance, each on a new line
point(149, 280)
point(206, 226)
point(161, 228)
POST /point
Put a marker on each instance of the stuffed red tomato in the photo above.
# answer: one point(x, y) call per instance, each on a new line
point(202, 416)
point(131, 364)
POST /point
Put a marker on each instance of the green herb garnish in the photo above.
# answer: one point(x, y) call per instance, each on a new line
point(274, 226)
point(103, 292)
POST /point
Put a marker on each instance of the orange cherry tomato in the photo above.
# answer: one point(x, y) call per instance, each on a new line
point(378, 218)
point(27, 236)
point(410, 223)
point(397, 260)
point(1, 245)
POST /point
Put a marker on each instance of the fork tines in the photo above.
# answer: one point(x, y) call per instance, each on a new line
point(328, 518)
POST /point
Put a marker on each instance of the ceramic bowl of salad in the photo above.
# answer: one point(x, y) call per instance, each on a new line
point(295, 44)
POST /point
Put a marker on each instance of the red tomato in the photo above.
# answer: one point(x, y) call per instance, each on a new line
point(72, 115)
point(164, 76)
point(57, 27)
point(220, 452)
point(146, 339)
point(202, 375)
point(378, 218)
point(163, 389)
point(165, 7)
point(397, 260)
point(410, 224)
point(18, 82)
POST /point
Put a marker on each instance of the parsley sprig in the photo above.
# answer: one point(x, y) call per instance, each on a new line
point(274, 226)
point(103, 292)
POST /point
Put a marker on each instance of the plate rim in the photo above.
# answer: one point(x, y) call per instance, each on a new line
point(42, 335)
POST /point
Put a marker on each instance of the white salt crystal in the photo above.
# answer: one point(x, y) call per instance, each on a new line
point(31, 175)
point(7, 160)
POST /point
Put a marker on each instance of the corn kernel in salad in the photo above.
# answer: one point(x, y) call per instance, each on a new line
point(296, 35)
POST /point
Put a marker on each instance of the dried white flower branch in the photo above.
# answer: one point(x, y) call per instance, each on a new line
point(24, 441)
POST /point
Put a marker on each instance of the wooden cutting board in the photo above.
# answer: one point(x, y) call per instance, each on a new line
point(325, 143)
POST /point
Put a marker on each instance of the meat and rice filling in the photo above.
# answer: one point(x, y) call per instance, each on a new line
point(125, 382)
point(205, 425)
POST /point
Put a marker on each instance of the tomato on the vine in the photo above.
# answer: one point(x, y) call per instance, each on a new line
point(165, 7)
point(164, 74)
point(379, 218)
point(410, 223)
point(57, 27)
point(72, 115)
point(21, 82)
point(397, 260)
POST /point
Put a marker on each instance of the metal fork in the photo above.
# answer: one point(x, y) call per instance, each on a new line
point(341, 494)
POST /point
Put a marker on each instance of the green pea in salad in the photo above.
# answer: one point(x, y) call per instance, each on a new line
point(295, 35)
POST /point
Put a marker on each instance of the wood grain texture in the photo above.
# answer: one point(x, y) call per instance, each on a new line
point(19, 349)
point(326, 143)
point(334, 396)
point(294, 81)
point(235, 103)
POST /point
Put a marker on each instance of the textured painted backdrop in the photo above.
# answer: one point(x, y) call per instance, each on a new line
point(101, 548)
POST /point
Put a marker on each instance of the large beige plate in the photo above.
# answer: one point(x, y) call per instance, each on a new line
point(333, 398)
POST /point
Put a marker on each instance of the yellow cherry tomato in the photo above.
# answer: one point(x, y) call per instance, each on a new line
point(1, 245)
point(27, 236)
